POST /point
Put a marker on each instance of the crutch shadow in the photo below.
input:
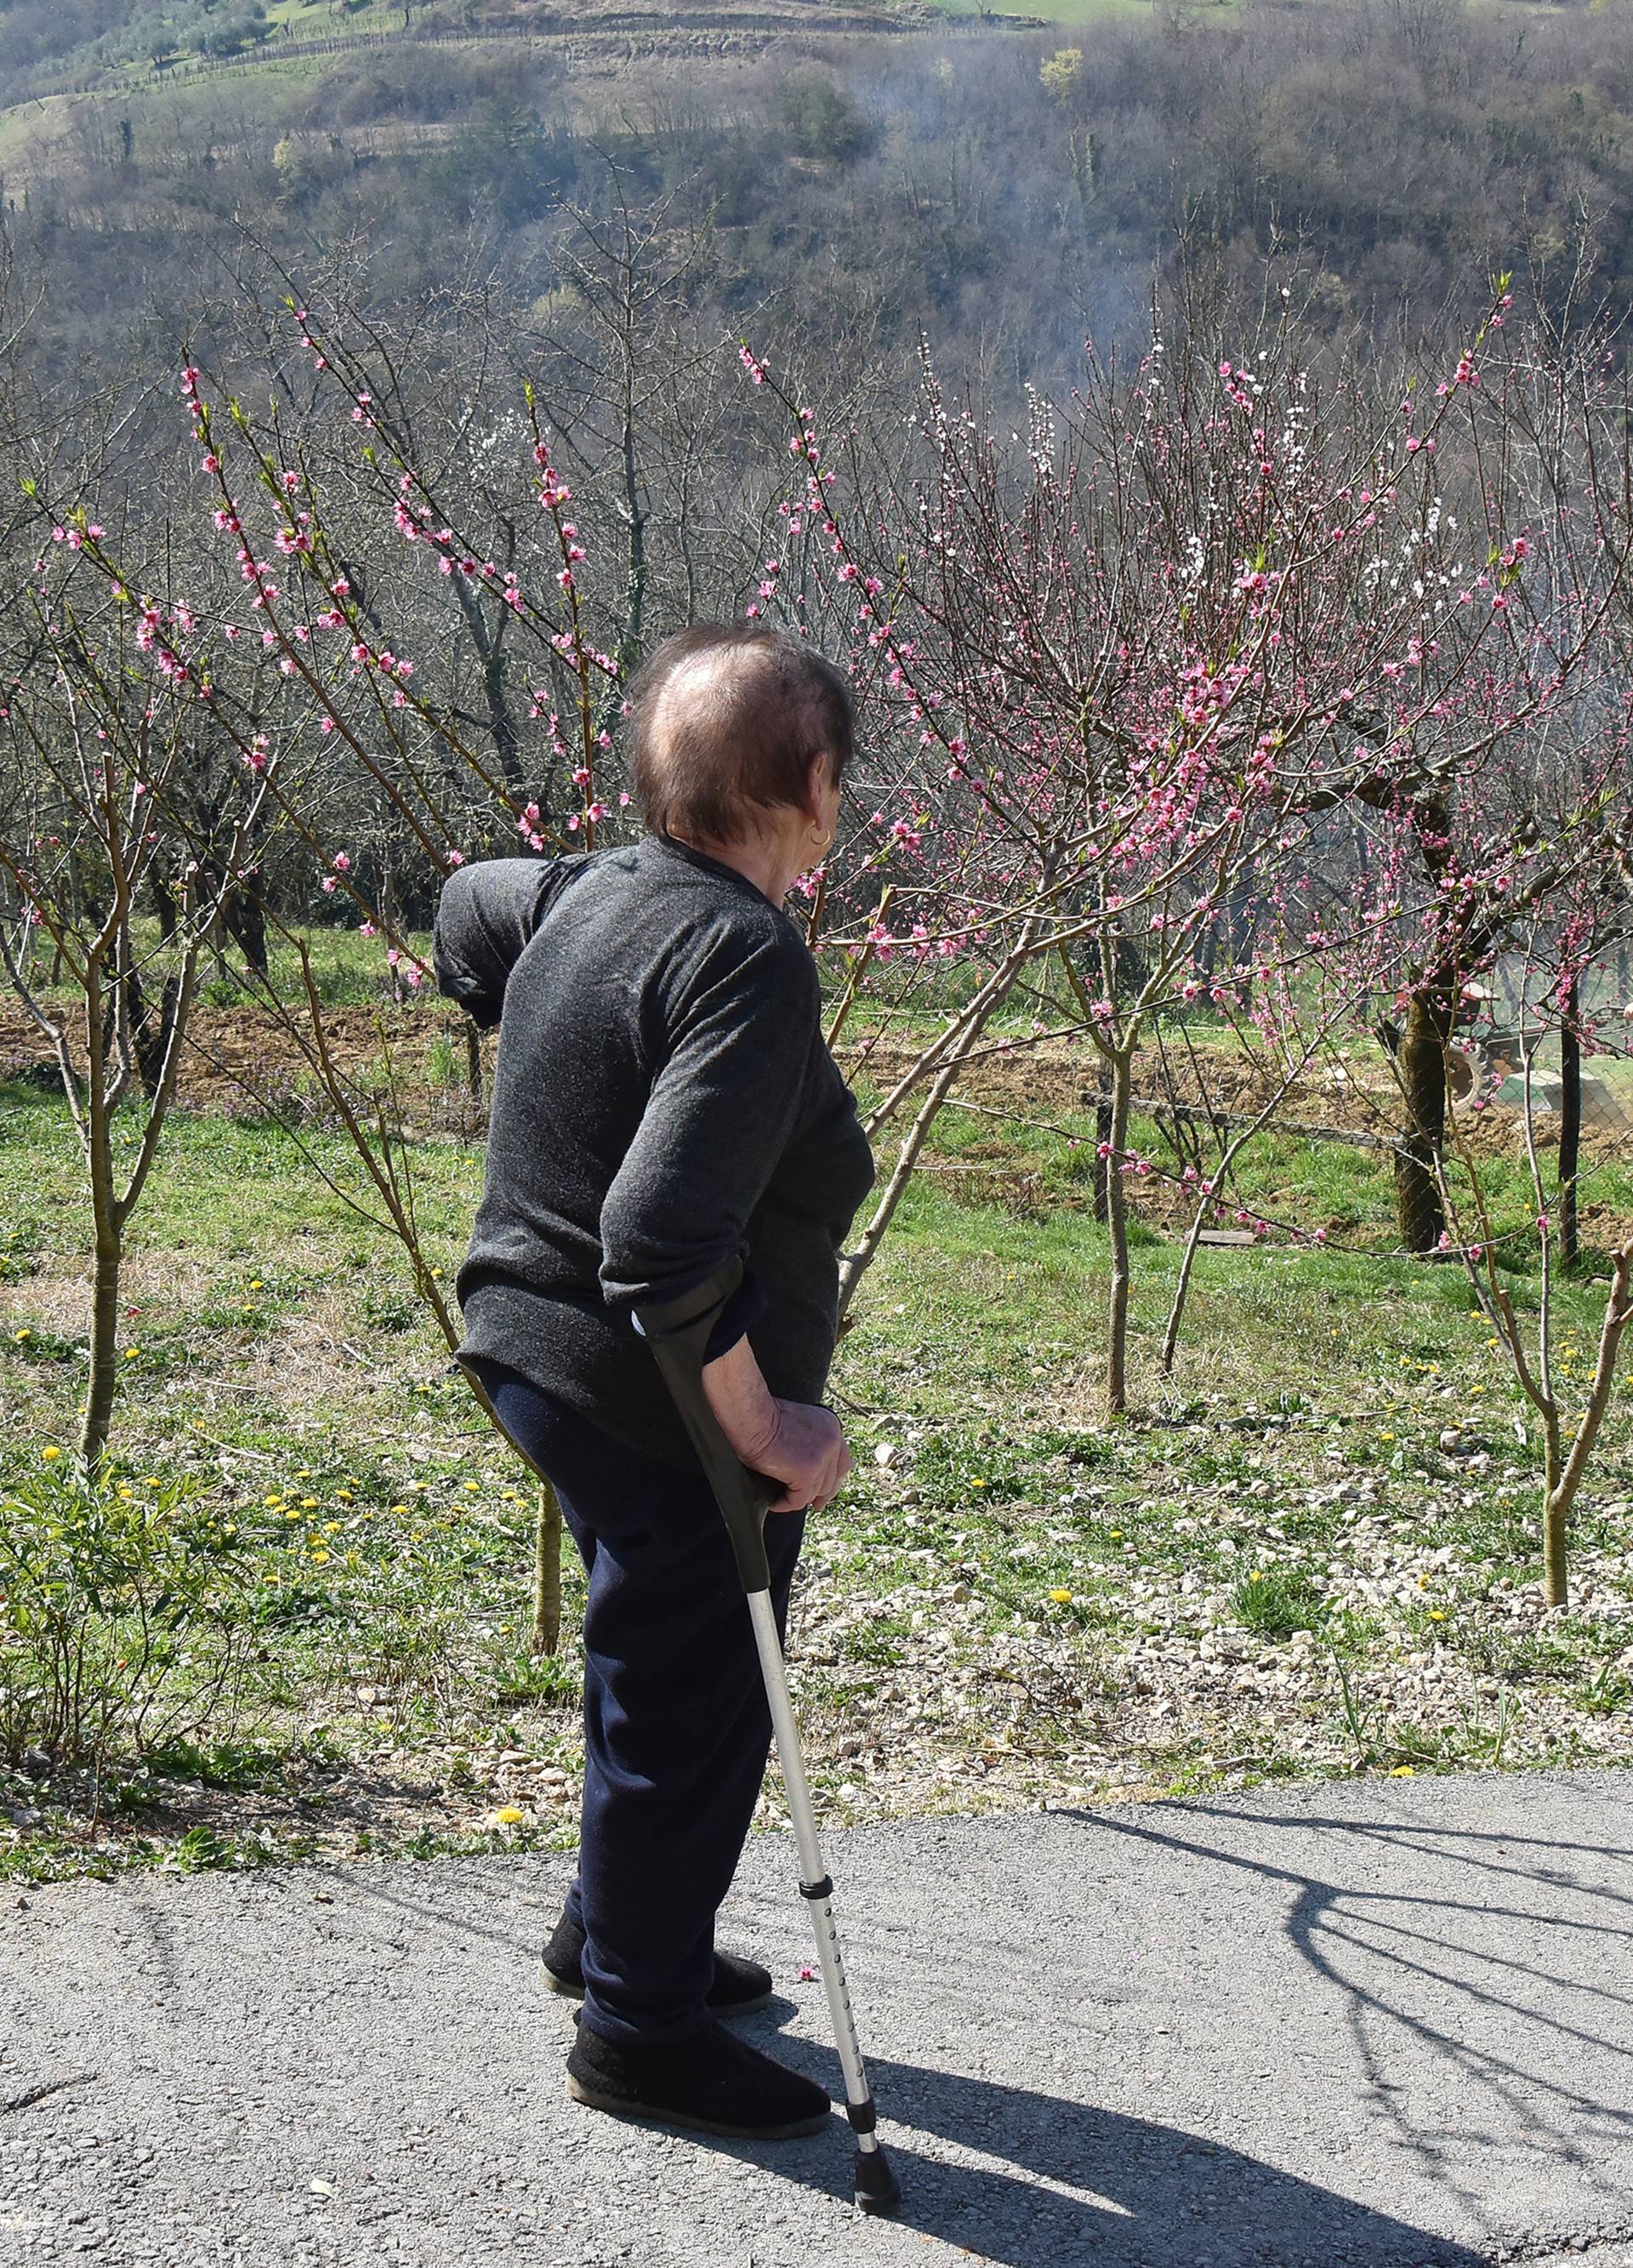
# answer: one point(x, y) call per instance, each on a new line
point(1038, 2183)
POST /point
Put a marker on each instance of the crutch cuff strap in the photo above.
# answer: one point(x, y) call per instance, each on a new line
point(863, 2116)
point(822, 1890)
point(660, 1319)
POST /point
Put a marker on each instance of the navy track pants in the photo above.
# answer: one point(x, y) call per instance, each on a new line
point(676, 1726)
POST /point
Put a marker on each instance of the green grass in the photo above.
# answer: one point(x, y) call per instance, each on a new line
point(1008, 1599)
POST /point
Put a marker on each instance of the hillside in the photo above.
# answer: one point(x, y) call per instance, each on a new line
point(125, 49)
point(1006, 185)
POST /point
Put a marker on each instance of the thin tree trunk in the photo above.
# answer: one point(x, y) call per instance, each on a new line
point(103, 1349)
point(151, 1037)
point(1556, 1509)
point(546, 1573)
point(1099, 1181)
point(490, 644)
point(108, 1248)
point(243, 917)
point(1181, 1289)
point(1570, 1122)
point(1421, 1066)
point(1117, 1225)
point(1102, 1162)
point(1564, 1473)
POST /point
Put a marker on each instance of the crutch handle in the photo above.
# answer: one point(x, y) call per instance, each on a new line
point(677, 1331)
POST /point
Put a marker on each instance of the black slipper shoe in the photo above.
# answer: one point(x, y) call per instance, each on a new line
point(740, 1987)
point(713, 2083)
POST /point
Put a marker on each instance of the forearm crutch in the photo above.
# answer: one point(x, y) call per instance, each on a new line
point(678, 1332)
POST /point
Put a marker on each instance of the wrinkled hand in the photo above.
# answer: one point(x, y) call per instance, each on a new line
point(800, 1445)
point(807, 1454)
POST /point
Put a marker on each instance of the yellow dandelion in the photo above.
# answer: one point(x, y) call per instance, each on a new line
point(1061, 1598)
point(50, 1453)
point(1402, 1771)
point(131, 1353)
point(509, 1815)
point(1437, 1614)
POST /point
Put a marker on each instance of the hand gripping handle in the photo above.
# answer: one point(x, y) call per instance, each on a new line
point(677, 1331)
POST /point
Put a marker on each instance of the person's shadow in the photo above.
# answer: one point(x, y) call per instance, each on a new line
point(1038, 2183)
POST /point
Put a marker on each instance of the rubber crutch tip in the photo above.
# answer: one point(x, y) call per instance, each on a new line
point(877, 2189)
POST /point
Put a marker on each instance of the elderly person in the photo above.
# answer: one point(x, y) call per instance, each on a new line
point(663, 1100)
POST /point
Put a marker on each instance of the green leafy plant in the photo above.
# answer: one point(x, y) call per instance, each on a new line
point(1607, 1693)
point(1278, 1601)
point(122, 1621)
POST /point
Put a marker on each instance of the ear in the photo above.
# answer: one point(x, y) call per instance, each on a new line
point(819, 777)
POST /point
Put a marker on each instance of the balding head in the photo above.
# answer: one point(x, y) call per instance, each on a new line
point(725, 719)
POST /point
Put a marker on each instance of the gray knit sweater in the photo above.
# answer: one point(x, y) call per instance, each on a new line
point(662, 1099)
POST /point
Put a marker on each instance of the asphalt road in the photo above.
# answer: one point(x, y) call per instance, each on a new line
point(1387, 2024)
